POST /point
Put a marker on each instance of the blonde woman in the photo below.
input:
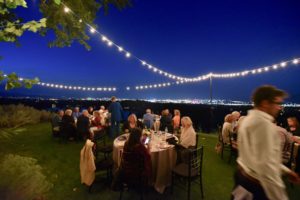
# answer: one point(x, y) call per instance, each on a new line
point(131, 123)
point(188, 134)
point(227, 128)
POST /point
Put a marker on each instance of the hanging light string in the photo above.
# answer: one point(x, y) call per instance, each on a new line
point(244, 73)
point(82, 88)
point(181, 79)
point(122, 50)
point(71, 87)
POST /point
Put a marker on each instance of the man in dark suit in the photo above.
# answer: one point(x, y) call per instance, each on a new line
point(115, 110)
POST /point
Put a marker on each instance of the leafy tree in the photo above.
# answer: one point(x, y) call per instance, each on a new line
point(66, 29)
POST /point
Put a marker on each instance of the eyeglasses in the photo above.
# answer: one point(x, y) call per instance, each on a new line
point(277, 103)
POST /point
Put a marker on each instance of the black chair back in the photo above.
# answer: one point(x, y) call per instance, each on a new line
point(132, 167)
point(195, 160)
point(191, 171)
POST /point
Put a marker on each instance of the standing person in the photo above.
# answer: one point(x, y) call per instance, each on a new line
point(259, 162)
point(115, 109)
point(166, 121)
point(176, 120)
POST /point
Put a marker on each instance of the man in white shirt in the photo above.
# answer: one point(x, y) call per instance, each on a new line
point(259, 162)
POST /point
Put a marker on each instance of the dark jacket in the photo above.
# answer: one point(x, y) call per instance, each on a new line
point(83, 124)
point(67, 126)
point(166, 121)
point(115, 109)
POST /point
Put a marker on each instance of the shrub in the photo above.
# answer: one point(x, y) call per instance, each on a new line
point(22, 178)
point(13, 116)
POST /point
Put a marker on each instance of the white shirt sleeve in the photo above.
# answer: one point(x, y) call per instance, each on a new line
point(266, 154)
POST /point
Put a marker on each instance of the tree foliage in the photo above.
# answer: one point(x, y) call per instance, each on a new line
point(66, 29)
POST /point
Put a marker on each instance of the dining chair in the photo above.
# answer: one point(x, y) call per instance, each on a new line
point(233, 147)
point(104, 163)
point(224, 146)
point(191, 171)
point(132, 168)
point(101, 144)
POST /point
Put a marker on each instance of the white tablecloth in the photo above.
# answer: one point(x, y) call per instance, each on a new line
point(163, 158)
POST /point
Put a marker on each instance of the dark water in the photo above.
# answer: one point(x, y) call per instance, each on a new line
point(205, 117)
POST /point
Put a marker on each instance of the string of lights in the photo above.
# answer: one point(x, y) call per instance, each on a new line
point(177, 79)
point(180, 79)
point(83, 88)
point(71, 87)
point(122, 50)
point(243, 73)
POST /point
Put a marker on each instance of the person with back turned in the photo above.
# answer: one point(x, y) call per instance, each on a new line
point(259, 162)
point(115, 110)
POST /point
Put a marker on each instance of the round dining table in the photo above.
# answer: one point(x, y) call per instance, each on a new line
point(163, 157)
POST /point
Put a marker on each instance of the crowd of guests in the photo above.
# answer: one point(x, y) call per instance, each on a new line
point(84, 124)
point(288, 135)
point(76, 125)
point(167, 123)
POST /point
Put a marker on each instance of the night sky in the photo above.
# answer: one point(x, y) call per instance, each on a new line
point(185, 38)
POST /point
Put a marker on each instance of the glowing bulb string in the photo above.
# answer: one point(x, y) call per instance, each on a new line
point(243, 73)
point(172, 76)
point(179, 79)
point(71, 87)
point(127, 54)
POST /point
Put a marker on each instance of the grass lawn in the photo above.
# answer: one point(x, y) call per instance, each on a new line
point(60, 163)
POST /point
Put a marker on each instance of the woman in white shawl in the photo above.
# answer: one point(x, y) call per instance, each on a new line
point(188, 134)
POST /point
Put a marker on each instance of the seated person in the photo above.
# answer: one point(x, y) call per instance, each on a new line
point(103, 114)
point(148, 119)
point(134, 145)
point(131, 123)
point(83, 125)
point(293, 126)
point(56, 122)
point(67, 127)
point(286, 144)
point(187, 139)
point(76, 113)
point(235, 115)
point(90, 111)
point(166, 121)
point(227, 128)
point(188, 134)
point(96, 123)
